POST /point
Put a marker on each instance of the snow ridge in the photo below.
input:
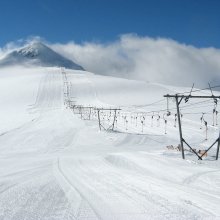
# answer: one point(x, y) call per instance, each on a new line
point(38, 54)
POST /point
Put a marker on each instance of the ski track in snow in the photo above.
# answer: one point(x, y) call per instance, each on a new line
point(57, 166)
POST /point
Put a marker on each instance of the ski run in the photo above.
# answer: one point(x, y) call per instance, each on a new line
point(54, 164)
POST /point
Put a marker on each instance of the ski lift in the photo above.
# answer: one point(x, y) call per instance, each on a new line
point(175, 120)
point(201, 119)
point(142, 126)
point(158, 120)
point(143, 117)
point(206, 129)
point(165, 122)
point(126, 121)
point(152, 120)
point(213, 117)
point(214, 111)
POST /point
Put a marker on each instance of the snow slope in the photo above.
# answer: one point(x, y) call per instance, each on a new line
point(53, 165)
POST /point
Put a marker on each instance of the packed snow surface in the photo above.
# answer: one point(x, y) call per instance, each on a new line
point(55, 165)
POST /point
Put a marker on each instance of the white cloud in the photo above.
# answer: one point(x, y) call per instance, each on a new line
point(143, 58)
point(7, 48)
point(157, 60)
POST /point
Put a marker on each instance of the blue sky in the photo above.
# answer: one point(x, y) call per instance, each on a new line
point(195, 22)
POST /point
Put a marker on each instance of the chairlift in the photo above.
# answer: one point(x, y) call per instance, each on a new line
point(175, 120)
point(152, 120)
point(165, 122)
point(158, 120)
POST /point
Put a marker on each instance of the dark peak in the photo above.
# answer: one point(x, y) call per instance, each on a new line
point(33, 49)
point(37, 53)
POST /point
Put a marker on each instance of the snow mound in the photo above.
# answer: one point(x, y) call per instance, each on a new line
point(39, 54)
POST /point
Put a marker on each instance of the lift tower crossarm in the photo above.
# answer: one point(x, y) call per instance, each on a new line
point(191, 96)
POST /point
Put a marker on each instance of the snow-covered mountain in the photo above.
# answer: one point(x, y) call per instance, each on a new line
point(39, 54)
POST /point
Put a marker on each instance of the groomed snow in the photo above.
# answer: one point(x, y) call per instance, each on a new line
point(53, 165)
